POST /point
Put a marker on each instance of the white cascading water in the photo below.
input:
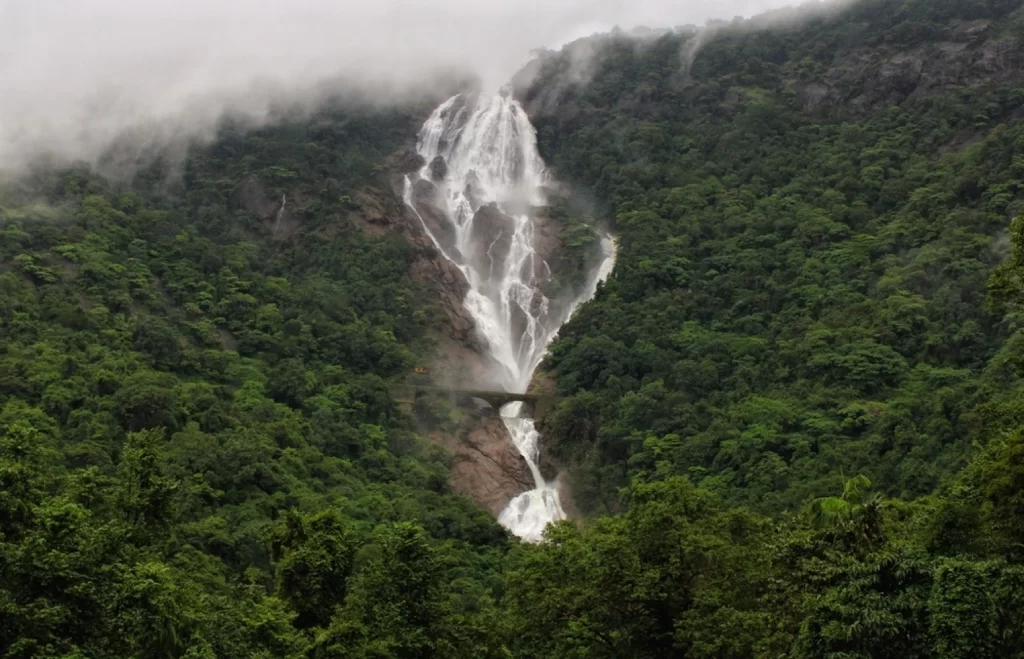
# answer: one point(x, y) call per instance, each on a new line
point(489, 160)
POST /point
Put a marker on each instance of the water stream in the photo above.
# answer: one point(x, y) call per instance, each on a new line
point(481, 154)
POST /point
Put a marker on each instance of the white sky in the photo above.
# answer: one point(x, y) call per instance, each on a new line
point(74, 73)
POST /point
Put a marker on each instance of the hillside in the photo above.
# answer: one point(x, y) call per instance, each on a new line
point(808, 217)
point(195, 418)
point(790, 420)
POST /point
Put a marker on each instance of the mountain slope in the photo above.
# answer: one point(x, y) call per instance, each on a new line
point(793, 414)
point(196, 429)
point(808, 217)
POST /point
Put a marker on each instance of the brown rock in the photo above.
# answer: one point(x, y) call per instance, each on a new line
point(461, 366)
point(375, 209)
point(487, 467)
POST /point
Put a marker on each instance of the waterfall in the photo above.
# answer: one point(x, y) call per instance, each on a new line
point(488, 176)
point(280, 214)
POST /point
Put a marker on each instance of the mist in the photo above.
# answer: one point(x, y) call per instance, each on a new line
point(78, 75)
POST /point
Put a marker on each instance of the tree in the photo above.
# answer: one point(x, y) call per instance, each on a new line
point(395, 606)
point(145, 496)
point(314, 557)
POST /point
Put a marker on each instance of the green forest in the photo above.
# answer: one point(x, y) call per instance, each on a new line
point(792, 419)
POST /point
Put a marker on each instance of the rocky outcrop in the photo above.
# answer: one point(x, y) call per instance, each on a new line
point(487, 467)
point(565, 497)
point(547, 241)
point(863, 79)
point(438, 169)
point(425, 198)
point(458, 365)
point(490, 239)
point(401, 162)
point(253, 198)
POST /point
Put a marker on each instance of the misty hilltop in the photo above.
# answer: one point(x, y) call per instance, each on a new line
point(77, 76)
point(530, 330)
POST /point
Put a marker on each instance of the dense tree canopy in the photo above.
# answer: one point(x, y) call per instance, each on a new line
point(792, 418)
point(800, 290)
point(199, 448)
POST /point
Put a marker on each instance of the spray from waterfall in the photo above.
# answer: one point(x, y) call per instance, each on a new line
point(481, 154)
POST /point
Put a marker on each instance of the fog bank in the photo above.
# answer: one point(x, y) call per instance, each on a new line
point(77, 74)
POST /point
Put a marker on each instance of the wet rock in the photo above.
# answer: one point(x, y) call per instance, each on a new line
point(547, 242)
point(472, 189)
point(538, 306)
point(519, 321)
point(449, 288)
point(425, 199)
point(438, 169)
point(459, 365)
point(487, 466)
point(565, 498)
point(491, 240)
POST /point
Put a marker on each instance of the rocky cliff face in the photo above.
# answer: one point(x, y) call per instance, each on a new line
point(486, 466)
point(862, 79)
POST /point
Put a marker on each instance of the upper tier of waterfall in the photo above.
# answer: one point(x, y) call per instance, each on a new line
point(493, 177)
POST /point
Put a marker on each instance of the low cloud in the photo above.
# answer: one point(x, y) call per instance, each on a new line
point(77, 75)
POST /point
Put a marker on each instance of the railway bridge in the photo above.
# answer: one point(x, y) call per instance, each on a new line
point(537, 405)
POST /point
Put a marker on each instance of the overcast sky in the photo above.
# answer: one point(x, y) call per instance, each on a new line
point(73, 73)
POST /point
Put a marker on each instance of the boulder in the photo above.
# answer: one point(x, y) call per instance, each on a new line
point(438, 169)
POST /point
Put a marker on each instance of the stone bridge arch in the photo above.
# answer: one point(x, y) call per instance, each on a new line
point(536, 405)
